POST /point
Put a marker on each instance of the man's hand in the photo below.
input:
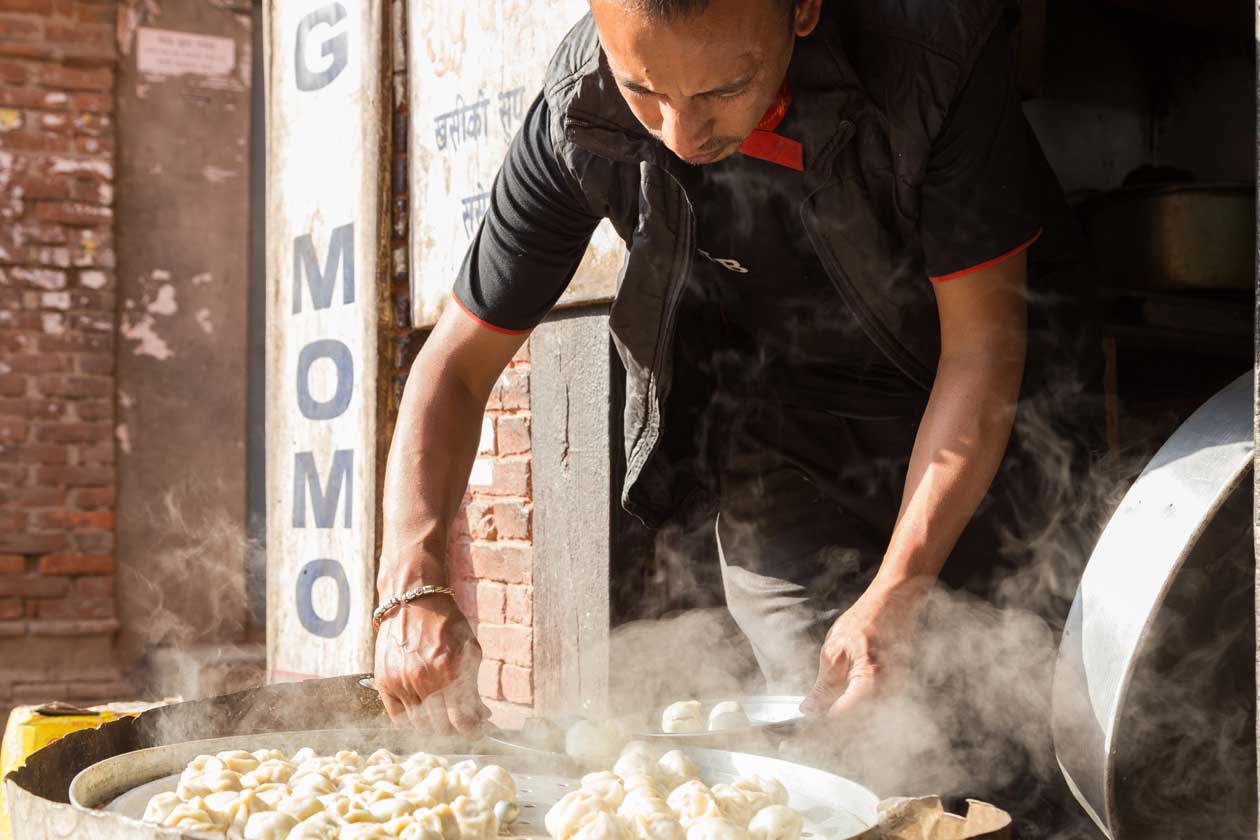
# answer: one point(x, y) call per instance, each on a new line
point(864, 646)
point(426, 668)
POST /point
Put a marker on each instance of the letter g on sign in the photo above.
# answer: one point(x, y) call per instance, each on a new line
point(337, 48)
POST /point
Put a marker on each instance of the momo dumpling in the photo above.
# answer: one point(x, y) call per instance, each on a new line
point(727, 715)
point(353, 784)
point(607, 786)
point(464, 771)
point(300, 807)
point(269, 755)
point(761, 791)
point(383, 773)
point(350, 758)
point(381, 756)
point(655, 827)
point(563, 819)
point(364, 831)
point(218, 805)
point(271, 794)
point(238, 761)
point(493, 784)
point(683, 716)
point(191, 816)
point(437, 823)
point(733, 803)
point(592, 742)
point(302, 755)
point(160, 806)
point(602, 826)
point(271, 771)
point(636, 759)
point(475, 818)
point(676, 767)
point(391, 808)
point(438, 787)
point(424, 760)
point(643, 781)
point(776, 822)
point(318, 827)
point(642, 802)
point(692, 801)
point(716, 828)
point(269, 825)
point(312, 784)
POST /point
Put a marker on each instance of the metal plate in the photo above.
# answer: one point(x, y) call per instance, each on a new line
point(834, 808)
point(1132, 603)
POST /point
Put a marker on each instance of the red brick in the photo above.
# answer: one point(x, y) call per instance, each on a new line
point(95, 499)
point(31, 543)
point(12, 385)
point(32, 98)
point(42, 7)
point(94, 587)
point(72, 213)
point(21, 28)
point(511, 645)
point(479, 520)
point(511, 391)
point(76, 564)
point(488, 679)
point(39, 363)
point(12, 564)
point(64, 77)
point(93, 542)
point(520, 605)
point(101, 454)
point(13, 72)
point(513, 435)
point(512, 520)
point(39, 497)
point(88, 39)
point(75, 609)
point(94, 411)
point(92, 103)
point(75, 387)
point(32, 409)
point(12, 521)
point(95, 146)
point(34, 586)
point(491, 602)
point(94, 12)
point(511, 478)
point(73, 433)
point(518, 684)
point(42, 453)
point(31, 141)
point(75, 476)
point(506, 564)
point(13, 431)
point(36, 186)
point(11, 476)
point(75, 520)
point(10, 609)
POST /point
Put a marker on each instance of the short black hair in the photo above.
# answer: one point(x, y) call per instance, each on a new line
point(668, 10)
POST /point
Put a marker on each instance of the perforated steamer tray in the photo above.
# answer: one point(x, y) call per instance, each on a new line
point(834, 808)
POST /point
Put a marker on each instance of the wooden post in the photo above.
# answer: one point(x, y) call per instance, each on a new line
point(327, 126)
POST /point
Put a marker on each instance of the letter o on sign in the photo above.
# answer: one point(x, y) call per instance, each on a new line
point(339, 354)
point(315, 623)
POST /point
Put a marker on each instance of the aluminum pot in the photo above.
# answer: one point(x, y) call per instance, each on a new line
point(1175, 237)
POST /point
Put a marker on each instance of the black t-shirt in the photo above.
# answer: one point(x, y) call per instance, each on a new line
point(754, 271)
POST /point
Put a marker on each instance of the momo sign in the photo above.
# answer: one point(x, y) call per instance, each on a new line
point(326, 106)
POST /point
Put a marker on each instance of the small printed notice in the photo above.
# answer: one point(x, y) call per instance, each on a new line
point(166, 52)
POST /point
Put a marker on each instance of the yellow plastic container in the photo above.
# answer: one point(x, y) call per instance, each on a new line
point(33, 727)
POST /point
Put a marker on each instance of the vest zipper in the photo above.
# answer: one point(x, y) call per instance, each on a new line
point(875, 330)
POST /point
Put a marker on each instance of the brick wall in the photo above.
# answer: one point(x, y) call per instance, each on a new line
point(490, 559)
point(57, 347)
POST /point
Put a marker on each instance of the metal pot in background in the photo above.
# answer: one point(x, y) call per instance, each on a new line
point(1174, 236)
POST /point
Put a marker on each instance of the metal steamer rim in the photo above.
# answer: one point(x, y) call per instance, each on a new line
point(834, 808)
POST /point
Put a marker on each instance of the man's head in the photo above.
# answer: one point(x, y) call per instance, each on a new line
point(699, 74)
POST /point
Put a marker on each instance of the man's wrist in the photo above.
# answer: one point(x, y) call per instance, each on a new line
point(396, 575)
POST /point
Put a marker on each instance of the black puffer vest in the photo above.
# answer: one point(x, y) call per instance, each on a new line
point(873, 85)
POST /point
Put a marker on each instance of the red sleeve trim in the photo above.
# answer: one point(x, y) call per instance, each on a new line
point(485, 324)
point(1013, 252)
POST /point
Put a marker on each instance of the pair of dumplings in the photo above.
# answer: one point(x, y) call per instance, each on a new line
point(266, 795)
point(688, 716)
point(647, 797)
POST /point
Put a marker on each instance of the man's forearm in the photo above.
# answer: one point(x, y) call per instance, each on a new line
point(435, 442)
point(959, 445)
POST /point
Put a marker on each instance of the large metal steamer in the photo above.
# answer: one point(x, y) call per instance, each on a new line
point(95, 783)
point(1155, 701)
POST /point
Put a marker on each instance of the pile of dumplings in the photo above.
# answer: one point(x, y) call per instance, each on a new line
point(266, 795)
point(651, 798)
point(688, 716)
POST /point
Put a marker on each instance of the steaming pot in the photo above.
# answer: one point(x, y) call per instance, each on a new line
point(1154, 696)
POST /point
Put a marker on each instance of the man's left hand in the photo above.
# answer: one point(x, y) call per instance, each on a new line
point(864, 646)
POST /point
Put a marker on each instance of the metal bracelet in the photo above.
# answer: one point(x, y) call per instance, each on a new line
point(406, 598)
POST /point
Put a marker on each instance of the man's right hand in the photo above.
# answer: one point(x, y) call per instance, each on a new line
point(427, 660)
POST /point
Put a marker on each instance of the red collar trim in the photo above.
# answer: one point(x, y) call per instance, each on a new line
point(764, 144)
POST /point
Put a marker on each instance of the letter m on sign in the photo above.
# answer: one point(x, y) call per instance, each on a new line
point(323, 282)
point(323, 498)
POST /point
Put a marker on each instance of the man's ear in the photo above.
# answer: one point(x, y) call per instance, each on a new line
point(805, 16)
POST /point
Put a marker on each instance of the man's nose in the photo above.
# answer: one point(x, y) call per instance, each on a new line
point(685, 131)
